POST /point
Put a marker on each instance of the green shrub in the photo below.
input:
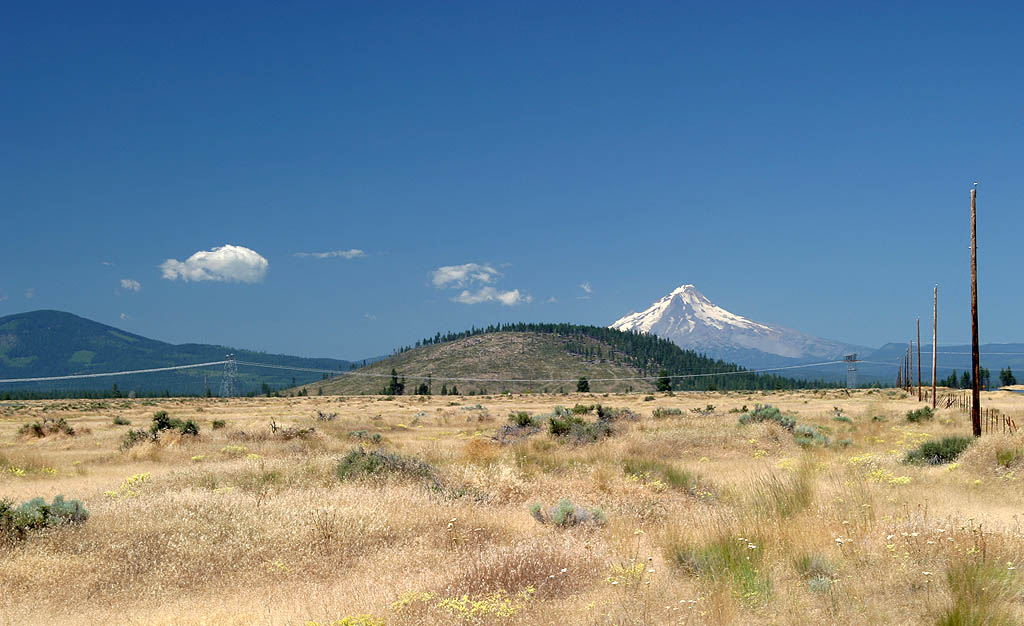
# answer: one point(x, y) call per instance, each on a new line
point(924, 414)
point(581, 409)
point(48, 426)
point(565, 514)
point(358, 462)
point(16, 522)
point(362, 435)
point(806, 436)
point(579, 431)
point(134, 437)
point(938, 452)
point(218, 424)
point(522, 419)
point(648, 398)
point(661, 413)
point(120, 421)
point(767, 413)
point(161, 422)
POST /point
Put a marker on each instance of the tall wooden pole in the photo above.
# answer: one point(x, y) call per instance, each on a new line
point(935, 337)
point(919, 359)
point(975, 357)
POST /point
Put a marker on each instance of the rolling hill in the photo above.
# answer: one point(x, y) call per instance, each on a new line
point(56, 343)
point(545, 358)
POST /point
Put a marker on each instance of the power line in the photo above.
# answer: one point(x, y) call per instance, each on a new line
point(126, 373)
point(543, 380)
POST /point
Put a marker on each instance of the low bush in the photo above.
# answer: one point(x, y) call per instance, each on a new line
point(162, 421)
point(378, 463)
point(16, 522)
point(661, 412)
point(565, 513)
point(582, 409)
point(648, 398)
point(135, 437)
point(120, 421)
point(938, 452)
point(924, 414)
point(362, 435)
point(807, 436)
point(767, 413)
point(579, 431)
point(522, 419)
point(218, 424)
point(48, 426)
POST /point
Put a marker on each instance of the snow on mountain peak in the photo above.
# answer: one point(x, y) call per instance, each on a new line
point(689, 319)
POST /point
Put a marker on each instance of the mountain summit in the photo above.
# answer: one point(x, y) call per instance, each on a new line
point(693, 322)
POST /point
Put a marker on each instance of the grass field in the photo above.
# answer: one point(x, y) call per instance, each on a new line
point(681, 516)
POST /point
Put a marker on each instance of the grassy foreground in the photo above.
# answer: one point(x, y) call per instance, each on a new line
point(408, 511)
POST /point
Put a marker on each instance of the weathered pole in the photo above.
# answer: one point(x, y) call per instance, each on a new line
point(975, 357)
point(919, 359)
point(935, 336)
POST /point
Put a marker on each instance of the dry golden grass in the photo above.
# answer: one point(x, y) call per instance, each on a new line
point(244, 526)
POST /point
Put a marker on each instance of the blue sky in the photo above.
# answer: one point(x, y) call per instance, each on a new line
point(802, 164)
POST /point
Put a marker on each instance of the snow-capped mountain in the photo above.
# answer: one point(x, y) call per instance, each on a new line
point(693, 322)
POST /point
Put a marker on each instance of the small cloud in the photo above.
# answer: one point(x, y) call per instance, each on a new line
point(490, 294)
point(586, 287)
point(369, 316)
point(130, 285)
point(345, 254)
point(463, 275)
point(30, 293)
point(227, 263)
point(124, 316)
point(552, 300)
point(107, 263)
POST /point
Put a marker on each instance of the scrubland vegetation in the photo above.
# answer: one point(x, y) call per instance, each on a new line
point(812, 507)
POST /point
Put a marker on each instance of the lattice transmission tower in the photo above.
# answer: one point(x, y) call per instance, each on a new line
point(851, 371)
point(228, 382)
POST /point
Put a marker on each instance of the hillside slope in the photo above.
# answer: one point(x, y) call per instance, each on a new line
point(502, 355)
point(531, 354)
point(56, 343)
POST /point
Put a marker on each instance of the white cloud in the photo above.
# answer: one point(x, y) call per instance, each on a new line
point(30, 293)
point(585, 286)
point(124, 316)
point(130, 285)
point(369, 316)
point(345, 254)
point(462, 275)
point(490, 294)
point(552, 300)
point(226, 263)
point(107, 263)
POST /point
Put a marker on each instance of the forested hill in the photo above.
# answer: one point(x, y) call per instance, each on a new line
point(647, 353)
point(562, 351)
point(56, 343)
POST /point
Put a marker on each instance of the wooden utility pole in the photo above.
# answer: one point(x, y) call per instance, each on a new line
point(975, 357)
point(919, 359)
point(935, 336)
